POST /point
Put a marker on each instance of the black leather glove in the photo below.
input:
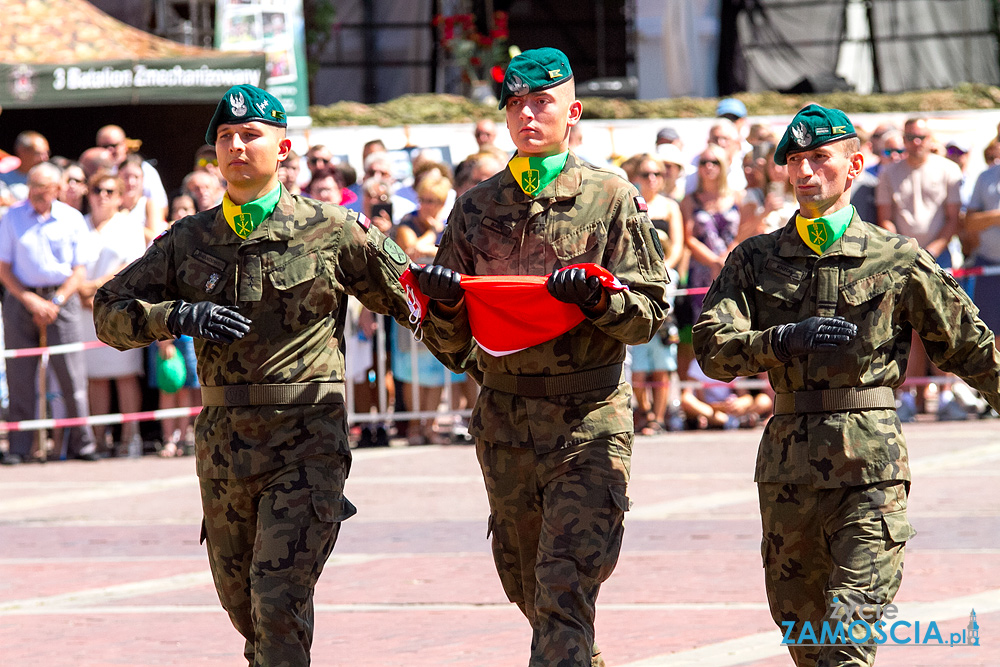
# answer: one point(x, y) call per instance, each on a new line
point(440, 283)
point(208, 320)
point(573, 286)
point(814, 334)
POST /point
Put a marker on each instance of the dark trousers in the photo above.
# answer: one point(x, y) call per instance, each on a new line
point(821, 545)
point(268, 538)
point(70, 371)
point(557, 526)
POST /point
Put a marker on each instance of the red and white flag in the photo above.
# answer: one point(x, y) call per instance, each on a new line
point(509, 314)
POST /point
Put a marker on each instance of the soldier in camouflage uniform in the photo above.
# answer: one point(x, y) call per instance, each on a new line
point(825, 306)
point(553, 422)
point(261, 283)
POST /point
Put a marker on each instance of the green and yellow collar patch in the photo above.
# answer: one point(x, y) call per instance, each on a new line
point(533, 174)
point(821, 233)
point(246, 218)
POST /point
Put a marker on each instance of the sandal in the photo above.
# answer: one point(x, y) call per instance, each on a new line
point(652, 427)
point(432, 437)
point(170, 447)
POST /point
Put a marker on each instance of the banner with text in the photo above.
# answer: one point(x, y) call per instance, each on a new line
point(104, 82)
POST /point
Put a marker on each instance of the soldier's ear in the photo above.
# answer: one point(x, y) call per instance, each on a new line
point(857, 165)
point(575, 112)
point(284, 146)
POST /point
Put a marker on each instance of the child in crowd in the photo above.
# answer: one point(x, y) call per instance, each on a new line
point(178, 432)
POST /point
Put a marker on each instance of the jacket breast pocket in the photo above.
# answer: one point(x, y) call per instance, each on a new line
point(492, 248)
point(303, 290)
point(869, 303)
point(779, 299)
point(204, 273)
point(585, 244)
point(295, 271)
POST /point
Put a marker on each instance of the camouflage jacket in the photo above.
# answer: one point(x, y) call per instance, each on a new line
point(585, 215)
point(291, 277)
point(882, 282)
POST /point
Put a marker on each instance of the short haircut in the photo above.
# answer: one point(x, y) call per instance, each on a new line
point(46, 168)
point(27, 138)
point(851, 145)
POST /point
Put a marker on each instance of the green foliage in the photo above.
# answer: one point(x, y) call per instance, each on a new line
point(420, 109)
point(405, 110)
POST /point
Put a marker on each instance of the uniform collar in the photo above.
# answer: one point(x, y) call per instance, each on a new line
point(565, 186)
point(278, 226)
point(854, 242)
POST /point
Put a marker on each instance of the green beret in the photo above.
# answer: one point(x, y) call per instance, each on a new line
point(245, 104)
point(535, 69)
point(813, 126)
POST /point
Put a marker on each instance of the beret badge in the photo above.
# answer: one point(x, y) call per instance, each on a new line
point(517, 85)
point(237, 104)
point(801, 134)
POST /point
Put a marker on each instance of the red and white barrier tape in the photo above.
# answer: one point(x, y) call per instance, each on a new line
point(69, 422)
point(167, 413)
point(65, 348)
point(686, 291)
point(975, 271)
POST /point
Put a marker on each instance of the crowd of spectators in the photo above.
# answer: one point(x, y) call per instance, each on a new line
point(99, 212)
point(94, 215)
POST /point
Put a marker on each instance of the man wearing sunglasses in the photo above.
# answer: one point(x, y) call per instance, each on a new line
point(825, 306)
point(920, 196)
point(112, 139)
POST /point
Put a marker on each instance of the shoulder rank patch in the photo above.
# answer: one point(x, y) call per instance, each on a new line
point(363, 220)
point(640, 204)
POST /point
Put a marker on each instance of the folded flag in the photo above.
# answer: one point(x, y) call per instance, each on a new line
point(509, 314)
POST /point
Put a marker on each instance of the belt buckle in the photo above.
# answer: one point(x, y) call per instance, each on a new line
point(237, 394)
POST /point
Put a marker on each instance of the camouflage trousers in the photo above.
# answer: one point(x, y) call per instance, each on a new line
point(822, 547)
point(556, 521)
point(268, 538)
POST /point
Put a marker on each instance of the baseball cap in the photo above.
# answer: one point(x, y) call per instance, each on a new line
point(731, 106)
point(957, 146)
point(670, 154)
point(667, 134)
